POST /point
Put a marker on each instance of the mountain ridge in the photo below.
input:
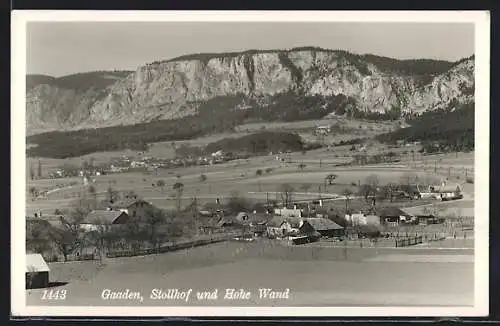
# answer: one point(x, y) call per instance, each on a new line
point(177, 87)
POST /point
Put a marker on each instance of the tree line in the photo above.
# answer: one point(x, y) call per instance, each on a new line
point(449, 129)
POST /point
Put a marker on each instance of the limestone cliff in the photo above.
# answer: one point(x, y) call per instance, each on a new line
point(177, 87)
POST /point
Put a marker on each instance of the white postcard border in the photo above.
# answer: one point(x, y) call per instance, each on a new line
point(481, 19)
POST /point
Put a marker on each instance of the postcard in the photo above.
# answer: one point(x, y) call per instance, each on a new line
point(250, 163)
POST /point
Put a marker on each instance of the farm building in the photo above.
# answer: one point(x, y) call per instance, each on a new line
point(227, 222)
point(324, 226)
point(132, 206)
point(37, 272)
point(322, 130)
point(280, 226)
point(288, 212)
point(392, 216)
point(362, 219)
point(448, 192)
point(104, 217)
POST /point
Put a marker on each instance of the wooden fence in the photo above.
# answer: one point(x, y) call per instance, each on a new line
point(168, 248)
point(408, 241)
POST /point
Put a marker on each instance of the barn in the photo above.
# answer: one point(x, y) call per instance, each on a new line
point(324, 226)
point(37, 272)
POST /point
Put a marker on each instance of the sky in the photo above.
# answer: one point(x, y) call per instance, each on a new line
point(62, 48)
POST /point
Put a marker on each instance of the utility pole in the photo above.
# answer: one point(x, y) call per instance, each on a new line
point(345, 244)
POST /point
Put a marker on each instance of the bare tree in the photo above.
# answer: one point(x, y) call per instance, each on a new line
point(66, 236)
point(161, 184)
point(389, 190)
point(286, 190)
point(101, 237)
point(178, 188)
point(154, 217)
point(302, 166)
point(39, 169)
point(134, 234)
point(347, 193)
point(330, 178)
point(112, 195)
point(408, 178)
point(93, 192)
point(365, 190)
point(32, 172)
point(33, 192)
point(372, 180)
point(36, 237)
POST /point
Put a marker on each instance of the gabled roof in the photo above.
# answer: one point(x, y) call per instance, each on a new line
point(448, 188)
point(320, 224)
point(276, 221)
point(391, 211)
point(36, 263)
point(103, 216)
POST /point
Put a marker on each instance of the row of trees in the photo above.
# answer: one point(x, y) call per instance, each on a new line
point(67, 236)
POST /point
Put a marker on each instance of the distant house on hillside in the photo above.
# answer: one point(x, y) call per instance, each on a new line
point(322, 130)
point(324, 226)
point(447, 192)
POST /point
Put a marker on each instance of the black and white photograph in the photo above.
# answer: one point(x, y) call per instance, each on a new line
point(280, 163)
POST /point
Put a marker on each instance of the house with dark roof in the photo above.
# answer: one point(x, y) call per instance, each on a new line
point(104, 217)
point(132, 206)
point(324, 226)
point(280, 226)
point(392, 216)
point(450, 192)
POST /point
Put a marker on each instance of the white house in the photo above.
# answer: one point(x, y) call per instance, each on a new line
point(288, 212)
point(363, 219)
point(280, 226)
point(37, 271)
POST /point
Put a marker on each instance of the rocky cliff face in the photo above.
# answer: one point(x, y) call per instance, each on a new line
point(176, 88)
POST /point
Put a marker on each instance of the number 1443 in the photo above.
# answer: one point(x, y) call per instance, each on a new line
point(54, 295)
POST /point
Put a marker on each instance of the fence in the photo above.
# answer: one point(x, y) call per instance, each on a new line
point(167, 248)
point(408, 241)
point(57, 258)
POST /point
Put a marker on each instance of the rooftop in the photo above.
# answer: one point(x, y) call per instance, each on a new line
point(36, 263)
point(276, 221)
point(320, 224)
point(103, 216)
